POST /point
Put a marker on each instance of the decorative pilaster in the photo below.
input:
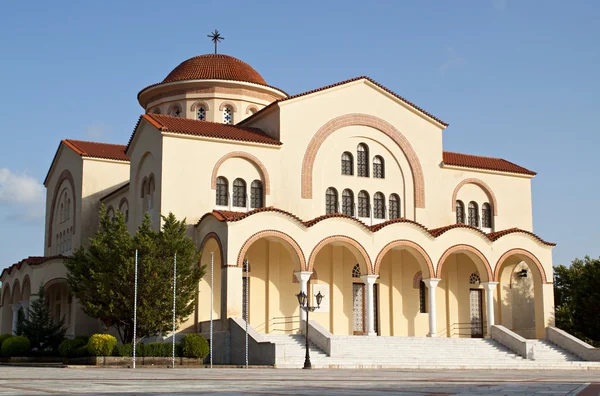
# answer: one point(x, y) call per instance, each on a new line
point(15, 319)
point(369, 280)
point(25, 305)
point(303, 277)
point(489, 296)
point(431, 284)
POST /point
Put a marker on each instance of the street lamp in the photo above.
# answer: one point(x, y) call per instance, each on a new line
point(303, 301)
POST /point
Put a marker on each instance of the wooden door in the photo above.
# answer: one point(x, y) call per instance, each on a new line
point(475, 301)
point(358, 308)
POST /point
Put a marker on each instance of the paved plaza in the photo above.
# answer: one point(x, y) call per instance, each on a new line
point(161, 381)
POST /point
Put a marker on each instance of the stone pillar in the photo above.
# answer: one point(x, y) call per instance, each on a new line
point(431, 284)
point(231, 294)
point(370, 281)
point(25, 305)
point(489, 296)
point(303, 277)
point(15, 319)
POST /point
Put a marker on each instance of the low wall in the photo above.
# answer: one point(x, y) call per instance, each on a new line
point(260, 351)
point(118, 361)
point(513, 341)
point(572, 344)
point(322, 338)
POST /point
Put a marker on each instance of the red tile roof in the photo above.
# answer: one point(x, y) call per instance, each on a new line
point(31, 260)
point(97, 150)
point(217, 130)
point(230, 216)
point(479, 162)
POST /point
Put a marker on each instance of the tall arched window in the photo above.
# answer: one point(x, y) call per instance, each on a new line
point(68, 240)
point(239, 193)
point(460, 212)
point(201, 113)
point(422, 297)
point(378, 167)
point(124, 208)
point(348, 202)
point(362, 160)
point(68, 208)
point(62, 212)
point(486, 215)
point(379, 205)
point(331, 200)
point(150, 197)
point(394, 206)
point(347, 164)
point(222, 189)
point(110, 213)
point(363, 204)
point(256, 194)
point(175, 110)
point(473, 214)
point(228, 115)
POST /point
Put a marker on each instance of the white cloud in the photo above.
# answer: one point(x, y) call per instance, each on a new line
point(500, 5)
point(96, 131)
point(22, 196)
point(452, 60)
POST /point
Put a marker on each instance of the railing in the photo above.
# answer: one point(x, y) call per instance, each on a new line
point(461, 329)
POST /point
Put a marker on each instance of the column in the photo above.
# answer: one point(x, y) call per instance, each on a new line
point(303, 277)
point(25, 305)
point(15, 319)
point(370, 281)
point(431, 284)
point(489, 296)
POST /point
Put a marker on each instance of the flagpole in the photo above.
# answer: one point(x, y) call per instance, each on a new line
point(212, 263)
point(135, 307)
point(174, 299)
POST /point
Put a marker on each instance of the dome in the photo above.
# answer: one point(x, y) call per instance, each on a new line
point(215, 67)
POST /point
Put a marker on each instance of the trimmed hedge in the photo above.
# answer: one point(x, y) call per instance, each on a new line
point(101, 345)
point(3, 338)
point(152, 349)
point(68, 347)
point(16, 346)
point(194, 346)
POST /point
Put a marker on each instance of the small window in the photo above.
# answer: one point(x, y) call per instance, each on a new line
point(378, 168)
point(175, 110)
point(422, 297)
point(68, 208)
point(356, 271)
point(394, 206)
point(486, 215)
point(347, 164)
point(228, 115)
point(256, 194)
point(363, 204)
point(460, 212)
point(473, 214)
point(110, 213)
point(156, 110)
point(62, 212)
point(201, 113)
point(124, 208)
point(239, 193)
point(362, 160)
point(379, 205)
point(150, 197)
point(331, 200)
point(222, 188)
point(348, 202)
point(474, 279)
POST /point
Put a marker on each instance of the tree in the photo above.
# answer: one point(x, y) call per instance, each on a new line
point(577, 298)
point(102, 276)
point(41, 328)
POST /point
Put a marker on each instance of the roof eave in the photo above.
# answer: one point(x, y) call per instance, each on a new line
point(492, 171)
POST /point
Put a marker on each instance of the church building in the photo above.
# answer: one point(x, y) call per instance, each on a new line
point(344, 190)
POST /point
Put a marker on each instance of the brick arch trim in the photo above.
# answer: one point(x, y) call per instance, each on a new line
point(417, 280)
point(65, 175)
point(247, 156)
point(228, 103)
point(481, 184)
point(523, 252)
point(365, 120)
point(6, 290)
point(271, 233)
point(215, 236)
point(468, 248)
point(409, 244)
point(250, 107)
point(340, 238)
point(198, 103)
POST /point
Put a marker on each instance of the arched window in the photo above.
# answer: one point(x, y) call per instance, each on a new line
point(201, 113)
point(394, 206)
point(348, 202)
point(486, 215)
point(378, 168)
point(175, 110)
point(110, 213)
point(239, 193)
point(62, 212)
point(362, 160)
point(124, 208)
point(228, 115)
point(144, 188)
point(331, 200)
point(151, 188)
point(57, 244)
point(422, 297)
point(460, 212)
point(68, 208)
point(256, 194)
point(68, 240)
point(347, 164)
point(222, 189)
point(473, 214)
point(379, 205)
point(474, 279)
point(356, 271)
point(363, 204)
point(156, 110)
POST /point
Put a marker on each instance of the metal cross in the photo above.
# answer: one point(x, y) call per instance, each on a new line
point(216, 38)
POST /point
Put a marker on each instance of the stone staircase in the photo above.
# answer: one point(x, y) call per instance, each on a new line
point(421, 353)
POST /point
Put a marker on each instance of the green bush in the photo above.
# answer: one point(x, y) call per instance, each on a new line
point(83, 339)
point(124, 350)
point(82, 351)
point(68, 347)
point(16, 346)
point(101, 345)
point(3, 338)
point(194, 346)
point(158, 349)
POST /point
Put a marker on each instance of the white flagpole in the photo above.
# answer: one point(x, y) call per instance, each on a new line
point(174, 299)
point(247, 315)
point(212, 263)
point(135, 307)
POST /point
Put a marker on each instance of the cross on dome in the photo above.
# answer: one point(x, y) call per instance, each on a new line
point(216, 38)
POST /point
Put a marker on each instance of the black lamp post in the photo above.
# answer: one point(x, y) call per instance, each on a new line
point(303, 301)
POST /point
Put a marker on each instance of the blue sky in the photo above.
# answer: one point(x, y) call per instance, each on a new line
point(515, 79)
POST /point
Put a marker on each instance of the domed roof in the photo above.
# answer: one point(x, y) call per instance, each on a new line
point(215, 67)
